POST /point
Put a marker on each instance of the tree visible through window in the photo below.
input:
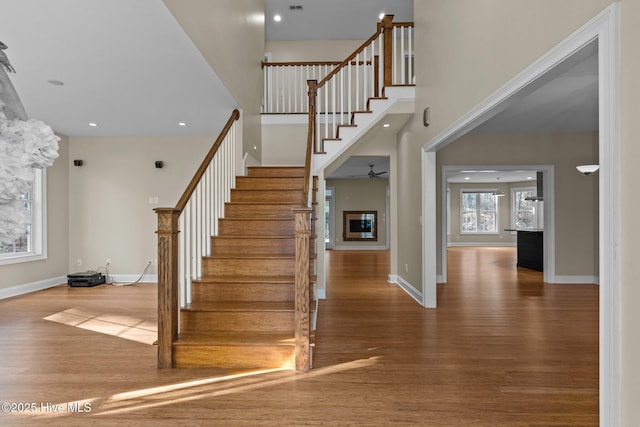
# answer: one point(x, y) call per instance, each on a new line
point(524, 213)
point(479, 212)
point(23, 243)
point(31, 245)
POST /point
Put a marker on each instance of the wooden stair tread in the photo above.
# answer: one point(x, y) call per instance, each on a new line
point(267, 237)
point(240, 306)
point(266, 203)
point(245, 279)
point(250, 279)
point(248, 338)
point(245, 255)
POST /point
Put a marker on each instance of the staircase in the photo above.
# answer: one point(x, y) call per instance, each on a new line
point(242, 310)
point(395, 100)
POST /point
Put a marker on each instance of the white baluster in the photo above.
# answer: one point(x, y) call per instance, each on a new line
point(402, 60)
point(341, 74)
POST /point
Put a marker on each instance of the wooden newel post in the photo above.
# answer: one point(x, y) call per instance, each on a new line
point(167, 284)
point(302, 303)
point(313, 93)
point(387, 25)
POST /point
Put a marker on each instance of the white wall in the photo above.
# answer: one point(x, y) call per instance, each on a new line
point(109, 212)
point(230, 36)
point(630, 176)
point(312, 50)
point(284, 145)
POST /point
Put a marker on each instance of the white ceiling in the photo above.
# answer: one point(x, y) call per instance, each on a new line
point(126, 65)
point(487, 176)
point(567, 102)
point(331, 19)
point(358, 167)
point(129, 67)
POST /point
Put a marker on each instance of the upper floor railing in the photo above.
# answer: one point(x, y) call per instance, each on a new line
point(350, 83)
point(385, 59)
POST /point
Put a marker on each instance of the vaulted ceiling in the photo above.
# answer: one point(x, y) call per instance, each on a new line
point(128, 66)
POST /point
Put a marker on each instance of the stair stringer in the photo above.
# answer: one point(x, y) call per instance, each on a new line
point(398, 99)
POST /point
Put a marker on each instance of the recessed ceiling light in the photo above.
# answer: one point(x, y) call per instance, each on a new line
point(529, 177)
point(56, 82)
point(386, 125)
point(277, 18)
point(93, 124)
point(182, 124)
point(381, 16)
point(466, 178)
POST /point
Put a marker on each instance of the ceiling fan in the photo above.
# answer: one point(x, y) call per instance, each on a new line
point(373, 174)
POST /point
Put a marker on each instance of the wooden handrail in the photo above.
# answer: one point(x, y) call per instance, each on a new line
point(168, 253)
point(350, 57)
point(298, 64)
point(311, 131)
point(235, 115)
point(302, 63)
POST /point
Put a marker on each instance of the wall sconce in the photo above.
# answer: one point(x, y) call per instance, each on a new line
point(159, 164)
point(588, 169)
point(77, 163)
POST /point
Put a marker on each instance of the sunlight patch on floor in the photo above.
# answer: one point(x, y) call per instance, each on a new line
point(127, 327)
point(214, 387)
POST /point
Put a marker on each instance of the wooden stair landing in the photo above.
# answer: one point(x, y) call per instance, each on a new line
point(242, 312)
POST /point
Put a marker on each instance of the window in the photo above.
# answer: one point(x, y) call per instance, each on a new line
point(525, 213)
point(479, 211)
point(31, 246)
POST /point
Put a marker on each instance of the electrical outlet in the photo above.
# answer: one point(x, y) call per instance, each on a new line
point(108, 262)
point(406, 268)
point(79, 262)
point(149, 262)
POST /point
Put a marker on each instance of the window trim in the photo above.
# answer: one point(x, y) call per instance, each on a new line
point(38, 224)
point(513, 207)
point(497, 205)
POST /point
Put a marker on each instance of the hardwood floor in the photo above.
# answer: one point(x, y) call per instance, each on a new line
point(502, 349)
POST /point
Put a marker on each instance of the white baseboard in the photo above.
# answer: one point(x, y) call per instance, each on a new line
point(32, 287)
point(360, 248)
point(576, 280)
point(130, 278)
point(407, 287)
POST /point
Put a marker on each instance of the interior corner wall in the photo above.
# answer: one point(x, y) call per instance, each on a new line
point(110, 214)
point(230, 36)
point(55, 265)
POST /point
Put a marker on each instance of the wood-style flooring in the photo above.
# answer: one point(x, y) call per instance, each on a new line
point(501, 349)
